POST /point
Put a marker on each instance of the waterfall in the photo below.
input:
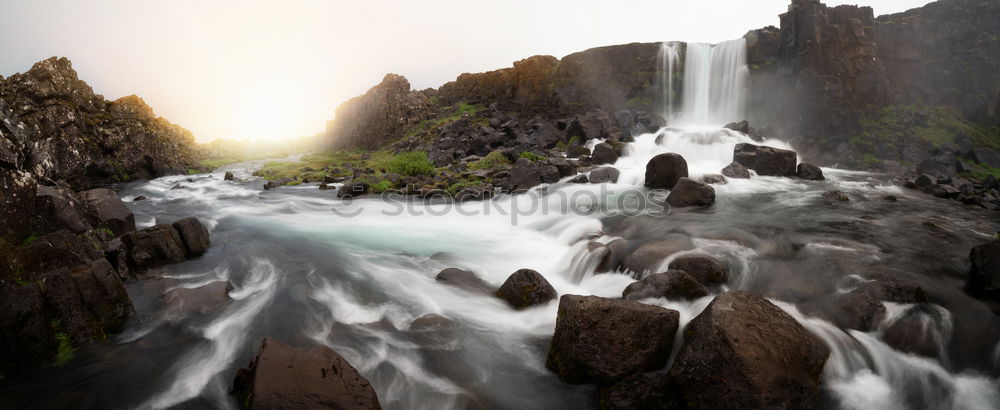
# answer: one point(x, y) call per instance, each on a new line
point(666, 66)
point(715, 83)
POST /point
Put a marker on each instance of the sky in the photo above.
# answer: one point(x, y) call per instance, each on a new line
point(252, 70)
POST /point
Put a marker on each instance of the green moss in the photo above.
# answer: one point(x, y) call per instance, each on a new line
point(869, 160)
point(19, 278)
point(987, 171)
point(193, 171)
point(29, 240)
point(893, 126)
point(456, 112)
point(64, 349)
point(381, 186)
point(109, 231)
point(410, 164)
point(531, 156)
point(315, 166)
point(492, 160)
point(459, 186)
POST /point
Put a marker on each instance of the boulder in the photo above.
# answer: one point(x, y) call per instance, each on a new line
point(154, 246)
point(836, 196)
point(714, 179)
point(809, 172)
point(643, 391)
point(766, 160)
point(546, 136)
point(742, 126)
point(526, 288)
point(109, 210)
point(228, 176)
point(433, 331)
point(744, 352)
point(352, 189)
point(194, 235)
point(200, 300)
point(285, 377)
point(922, 330)
point(580, 179)
point(705, 269)
point(604, 175)
point(577, 151)
point(465, 280)
point(604, 153)
point(664, 170)
point(689, 192)
point(55, 210)
point(650, 254)
point(862, 307)
point(736, 170)
point(526, 174)
point(984, 273)
point(933, 167)
point(605, 340)
point(986, 155)
point(674, 285)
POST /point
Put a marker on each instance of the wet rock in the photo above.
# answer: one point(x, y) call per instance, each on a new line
point(664, 170)
point(605, 340)
point(546, 136)
point(577, 151)
point(744, 352)
point(689, 192)
point(862, 306)
point(580, 179)
point(526, 288)
point(650, 254)
point(809, 172)
point(714, 179)
point(228, 176)
point(55, 210)
point(109, 210)
point(674, 285)
point(933, 167)
point(984, 273)
point(986, 155)
point(766, 160)
point(153, 246)
point(565, 168)
point(736, 170)
point(604, 175)
point(465, 280)
point(284, 377)
point(194, 235)
point(201, 300)
point(433, 331)
point(705, 269)
point(604, 153)
point(742, 126)
point(643, 391)
point(615, 252)
point(921, 330)
point(836, 196)
point(352, 189)
point(139, 198)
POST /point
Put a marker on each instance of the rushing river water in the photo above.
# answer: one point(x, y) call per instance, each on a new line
point(305, 272)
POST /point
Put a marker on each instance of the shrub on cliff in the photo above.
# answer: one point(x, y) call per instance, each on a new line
point(411, 164)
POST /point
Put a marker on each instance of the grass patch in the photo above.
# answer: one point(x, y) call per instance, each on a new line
point(381, 186)
point(492, 160)
point(531, 156)
point(456, 112)
point(987, 171)
point(411, 164)
point(315, 166)
point(64, 349)
point(29, 240)
point(457, 187)
point(870, 160)
point(893, 126)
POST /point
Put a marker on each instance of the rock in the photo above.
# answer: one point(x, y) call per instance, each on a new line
point(284, 377)
point(577, 151)
point(526, 174)
point(742, 126)
point(526, 288)
point(984, 273)
point(650, 254)
point(433, 331)
point(924, 181)
point(689, 192)
point(766, 160)
point(580, 179)
point(465, 280)
point(986, 155)
point(836, 196)
point(605, 340)
point(714, 179)
point(604, 154)
point(922, 330)
point(674, 285)
point(933, 167)
point(139, 198)
point(194, 235)
point(110, 210)
point(705, 269)
point(744, 352)
point(664, 170)
point(181, 302)
point(615, 252)
point(862, 307)
point(736, 170)
point(809, 172)
point(546, 136)
point(153, 246)
point(643, 391)
point(228, 176)
point(55, 210)
point(565, 168)
point(352, 189)
point(604, 175)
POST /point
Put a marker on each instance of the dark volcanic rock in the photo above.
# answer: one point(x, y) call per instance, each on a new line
point(736, 170)
point(649, 254)
point(603, 175)
point(154, 246)
point(576, 151)
point(352, 189)
point(689, 192)
point(228, 176)
point(604, 153)
point(284, 377)
point(705, 269)
point(200, 300)
point(984, 274)
point(110, 210)
point(381, 115)
point(194, 235)
point(465, 280)
point(643, 391)
point(674, 284)
point(526, 174)
point(836, 196)
point(526, 288)
point(664, 170)
point(922, 330)
point(810, 172)
point(605, 340)
point(862, 308)
point(744, 352)
point(765, 160)
point(714, 179)
point(56, 209)
point(986, 155)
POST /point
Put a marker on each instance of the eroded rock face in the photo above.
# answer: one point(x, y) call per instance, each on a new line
point(194, 235)
point(766, 160)
point(664, 170)
point(379, 116)
point(744, 352)
point(645, 391)
point(285, 377)
point(605, 340)
point(526, 288)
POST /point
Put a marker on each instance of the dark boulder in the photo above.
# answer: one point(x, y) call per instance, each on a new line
point(352, 189)
point(109, 210)
point(580, 179)
point(604, 174)
point(526, 174)
point(546, 136)
point(604, 153)
point(766, 160)
point(674, 284)
point(714, 179)
point(836, 196)
point(986, 155)
point(862, 307)
point(705, 269)
point(181, 302)
point(689, 192)
point(526, 288)
point(194, 235)
point(153, 246)
point(664, 170)
point(605, 340)
point(921, 330)
point(56, 209)
point(228, 176)
point(648, 255)
point(576, 151)
point(744, 352)
point(465, 280)
point(284, 377)
point(933, 167)
point(809, 172)
point(565, 168)
point(736, 170)
point(643, 391)
point(742, 126)
point(984, 273)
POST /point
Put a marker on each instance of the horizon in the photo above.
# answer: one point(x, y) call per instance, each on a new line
point(201, 67)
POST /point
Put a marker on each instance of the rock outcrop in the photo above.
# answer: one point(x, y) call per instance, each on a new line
point(984, 274)
point(526, 288)
point(381, 115)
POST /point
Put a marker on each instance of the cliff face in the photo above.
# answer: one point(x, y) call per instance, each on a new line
point(379, 116)
point(54, 126)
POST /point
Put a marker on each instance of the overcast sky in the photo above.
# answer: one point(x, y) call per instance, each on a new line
point(273, 69)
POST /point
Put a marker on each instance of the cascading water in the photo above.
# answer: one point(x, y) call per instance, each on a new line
point(715, 83)
point(667, 62)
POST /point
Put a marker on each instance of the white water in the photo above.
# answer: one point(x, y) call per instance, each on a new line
point(715, 83)
point(667, 61)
